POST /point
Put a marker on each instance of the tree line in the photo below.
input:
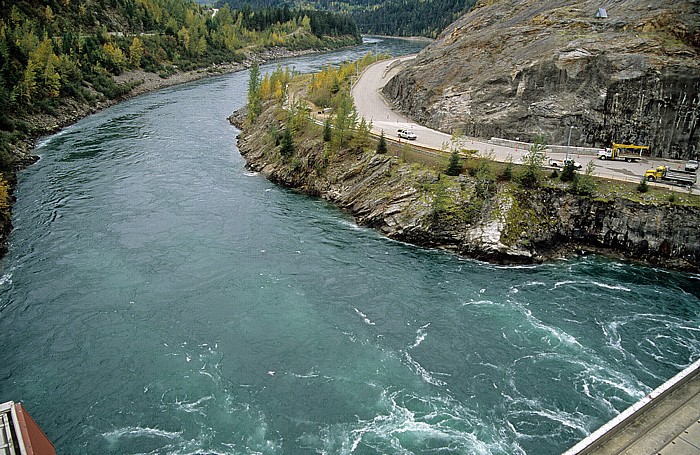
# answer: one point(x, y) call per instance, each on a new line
point(54, 50)
point(392, 17)
point(319, 22)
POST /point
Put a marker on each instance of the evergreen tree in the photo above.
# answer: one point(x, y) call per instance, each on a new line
point(529, 177)
point(254, 101)
point(287, 148)
point(361, 140)
point(381, 145)
point(584, 185)
point(454, 167)
point(345, 120)
point(327, 130)
point(568, 172)
point(643, 186)
point(507, 173)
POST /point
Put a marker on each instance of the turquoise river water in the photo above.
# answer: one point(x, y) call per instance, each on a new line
point(159, 298)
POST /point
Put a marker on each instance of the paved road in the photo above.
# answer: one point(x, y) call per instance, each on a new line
point(372, 105)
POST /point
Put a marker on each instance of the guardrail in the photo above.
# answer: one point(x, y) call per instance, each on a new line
point(550, 148)
point(618, 424)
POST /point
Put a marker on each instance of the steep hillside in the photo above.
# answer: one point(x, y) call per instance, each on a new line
point(521, 69)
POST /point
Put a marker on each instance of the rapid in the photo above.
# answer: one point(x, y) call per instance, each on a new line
point(159, 298)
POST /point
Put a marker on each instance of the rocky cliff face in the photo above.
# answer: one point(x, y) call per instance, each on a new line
point(500, 222)
point(520, 69)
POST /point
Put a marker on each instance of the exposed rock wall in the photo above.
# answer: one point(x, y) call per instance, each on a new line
point(520, 69)
point(496, 222)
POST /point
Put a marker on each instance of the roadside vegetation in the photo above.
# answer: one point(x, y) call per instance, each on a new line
point(327, 90)
point(319, 105)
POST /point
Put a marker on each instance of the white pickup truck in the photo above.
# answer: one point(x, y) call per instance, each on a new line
point(561, 163)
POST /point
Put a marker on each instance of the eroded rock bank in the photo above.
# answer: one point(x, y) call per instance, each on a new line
point(499, 222)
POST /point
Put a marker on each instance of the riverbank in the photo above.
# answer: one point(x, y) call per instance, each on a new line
point(482, 218)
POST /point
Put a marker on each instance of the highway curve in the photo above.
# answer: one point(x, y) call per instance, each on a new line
point(374, 107)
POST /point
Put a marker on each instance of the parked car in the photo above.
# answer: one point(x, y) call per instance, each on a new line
point(691, 165)
point(407, 134)
point(562, 163)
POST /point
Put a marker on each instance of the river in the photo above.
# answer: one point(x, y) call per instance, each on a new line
point(159, 298)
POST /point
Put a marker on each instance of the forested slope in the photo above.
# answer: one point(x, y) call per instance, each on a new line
point(55, 50)
point(392, 17)
point(62, 56)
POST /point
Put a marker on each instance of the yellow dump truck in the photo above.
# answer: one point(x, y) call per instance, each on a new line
point(666, 175)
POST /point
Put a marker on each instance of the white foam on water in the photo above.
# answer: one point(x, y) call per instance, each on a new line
point(566, 282)
point(480, 302)
point(137, 432)
point(46, 140)
point(415, 424)
point(554, 332)
point(6, 278)
point(351, 225)
point(364, 317)
point(613, 287)
point(421, 333)
point(192, 406)
point(311, 374)
point(422, 372)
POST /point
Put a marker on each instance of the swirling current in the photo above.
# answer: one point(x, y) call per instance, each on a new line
point(159, 298)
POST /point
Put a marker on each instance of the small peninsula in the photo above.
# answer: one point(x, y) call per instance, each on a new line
point(491, 211)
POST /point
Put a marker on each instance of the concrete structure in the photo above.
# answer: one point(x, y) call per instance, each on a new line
point(666, 422)
point(19, 434)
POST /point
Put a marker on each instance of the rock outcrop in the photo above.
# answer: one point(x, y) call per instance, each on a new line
point(500, 222)
point(521, 69)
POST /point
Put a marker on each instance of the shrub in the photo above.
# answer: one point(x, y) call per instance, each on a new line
point(643, 187)
point(568, 172)
point(327, 131)
point(507, 174)
point(529, 177)
point(584, 185)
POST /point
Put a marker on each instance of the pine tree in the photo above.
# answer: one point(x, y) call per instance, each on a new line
point(361, 140)
point(287, 148)
point(327, 130)
point(568, 172)
point(345, 120)
point(381, 145)
point(254, 102)
point(455, 165)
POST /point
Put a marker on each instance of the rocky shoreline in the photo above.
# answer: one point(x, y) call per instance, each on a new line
point(500, 222)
